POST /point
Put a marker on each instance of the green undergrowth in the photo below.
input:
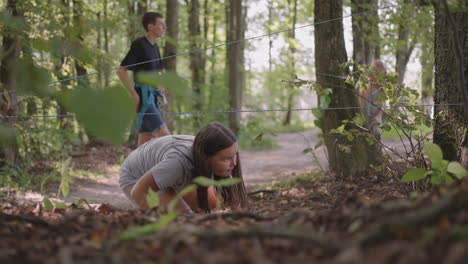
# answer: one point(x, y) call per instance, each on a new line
point(393, 133)
point(297, 127)
point(256, 137)
point(294, 181)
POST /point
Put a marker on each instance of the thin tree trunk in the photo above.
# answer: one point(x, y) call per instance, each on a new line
point(214, 42)
point(292, 66)
point(170, 49)
point(451, 75)
point(404, 47)
point(235, 29)
point(427, 74)
point(365, 33)
point(78, 11)
point(196, 60)
point(11, 44)
point(270, 39)
point(99, 46)
point(106, 46)
point(346, 158)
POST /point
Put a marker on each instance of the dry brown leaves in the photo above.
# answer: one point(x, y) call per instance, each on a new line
point(318, 222)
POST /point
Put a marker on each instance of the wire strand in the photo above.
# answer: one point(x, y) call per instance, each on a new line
point(246, 111)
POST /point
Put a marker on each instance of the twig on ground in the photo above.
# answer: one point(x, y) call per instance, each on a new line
point(24, 218)
point(261, 191)
point(235, 216)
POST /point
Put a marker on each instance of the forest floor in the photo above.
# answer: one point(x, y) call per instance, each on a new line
point(314, 218)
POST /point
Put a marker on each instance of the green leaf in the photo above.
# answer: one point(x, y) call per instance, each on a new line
point(13, 22)
point(180, 195)
point(144, 230)
point(60, 205)
point(434, 153)
point(414, 174)
point(359, 119)
point(65, 177)
point(7, 136)
point(436, 178)
point(33, 80)
point(48, 205)
point(307, 150)
point(457, 169)
point(152, 198)
point(178, 86)
point(204, 181)
point(106, 113)
point(228, 182)
point(340, 129)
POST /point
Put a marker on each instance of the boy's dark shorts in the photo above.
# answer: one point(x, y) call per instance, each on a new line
point(152, 119)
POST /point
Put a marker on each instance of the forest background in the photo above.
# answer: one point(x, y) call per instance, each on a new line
point(59, 90)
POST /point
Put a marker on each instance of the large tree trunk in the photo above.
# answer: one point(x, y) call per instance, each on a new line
point(196, 59)
point(292, 61)
point(235, 31)
point(451, 75)
point(329, 40)
point(365, 32)
point(11, 45)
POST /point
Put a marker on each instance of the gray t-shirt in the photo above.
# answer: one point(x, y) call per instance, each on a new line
point(169, 158)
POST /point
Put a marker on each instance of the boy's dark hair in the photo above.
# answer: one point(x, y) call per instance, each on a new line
point(150, 18)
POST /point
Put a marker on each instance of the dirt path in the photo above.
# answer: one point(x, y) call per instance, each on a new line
point(259, 168)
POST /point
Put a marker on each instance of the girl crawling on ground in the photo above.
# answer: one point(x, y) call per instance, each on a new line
point(170, 163)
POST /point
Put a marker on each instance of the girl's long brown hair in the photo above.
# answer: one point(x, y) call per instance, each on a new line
point(210, 140)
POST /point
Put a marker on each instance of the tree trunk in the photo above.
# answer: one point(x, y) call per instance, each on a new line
point(11, 45)
point(78, 11)
point(170, 49)
point(404, 47)
point(106, 46)
point(136, 9)
point(427, 74)
point(235, 29)
point(291, 53)
point(270, 39)
point(365, 33)
point(345, 157)
point(451, 75)
point(196, 60)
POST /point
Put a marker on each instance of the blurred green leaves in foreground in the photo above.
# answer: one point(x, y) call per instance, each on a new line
point(106, 113)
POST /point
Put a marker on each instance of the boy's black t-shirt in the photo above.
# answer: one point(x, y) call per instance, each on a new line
point(141, 50)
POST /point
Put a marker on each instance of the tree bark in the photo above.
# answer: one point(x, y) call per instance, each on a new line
point(427, 74)
point(78, 11)
point(11, 44)
point(235, 31)
point(404, 46)
point(365, 32)
point(196, 59)
point(451, 75)
point(170, 49)
point(292, 60)
point(355, 158)
point(106, 46)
